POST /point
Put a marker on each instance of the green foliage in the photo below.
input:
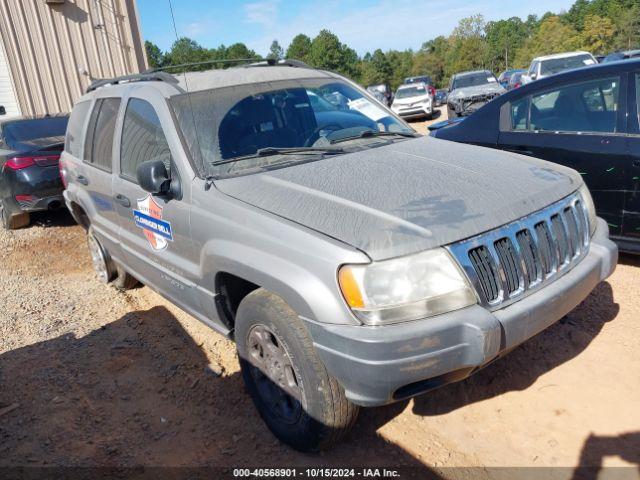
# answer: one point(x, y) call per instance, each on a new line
point(275, 51)
point(299, 48)
point(553, 36)
point(154, 54)
point(328, 53)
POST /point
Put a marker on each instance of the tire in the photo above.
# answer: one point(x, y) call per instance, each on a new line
point(106, 269)
point(100, 258)
point(13, 220)
point(316, 414)
point(123, 280)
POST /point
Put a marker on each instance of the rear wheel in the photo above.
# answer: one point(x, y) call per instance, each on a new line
point(12, 220)
point(301, 403)
point(106, 269)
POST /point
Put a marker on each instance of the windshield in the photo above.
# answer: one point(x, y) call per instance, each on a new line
point(417, 91)
point(425, 79)
point(473, 80)
point(227, 123)
point(556, 65)
point(22, 132)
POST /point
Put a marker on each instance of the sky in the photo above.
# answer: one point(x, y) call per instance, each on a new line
point(364, 25)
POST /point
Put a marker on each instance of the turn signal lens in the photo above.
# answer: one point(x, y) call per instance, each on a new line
point(350, 288)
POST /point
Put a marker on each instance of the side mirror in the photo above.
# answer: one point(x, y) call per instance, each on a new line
point(153, 177)
point(3, 111)
point(533, 76)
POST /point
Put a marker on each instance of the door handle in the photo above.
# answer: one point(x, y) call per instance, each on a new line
point(82, 179)
point(122, 200)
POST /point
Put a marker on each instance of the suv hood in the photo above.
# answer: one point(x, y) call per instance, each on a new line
point(410, 100)
point(406, 197)
point(467, 92)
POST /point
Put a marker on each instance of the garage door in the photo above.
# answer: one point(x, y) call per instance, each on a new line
point(7, 94)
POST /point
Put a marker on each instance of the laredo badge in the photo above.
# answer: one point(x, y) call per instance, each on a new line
point(148, 217)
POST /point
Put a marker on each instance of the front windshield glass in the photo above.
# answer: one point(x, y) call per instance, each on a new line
point(473, 80)
point(417, 91)
point(557, 65)
point(223, 124)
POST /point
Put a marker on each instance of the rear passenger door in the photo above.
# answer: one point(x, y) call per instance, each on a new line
point(95, 172)
point(581, 125)
point(155, 230)
point(631, 221)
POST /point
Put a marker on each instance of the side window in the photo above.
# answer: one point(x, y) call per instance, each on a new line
point(73, 138)
point(99, 150)
point(142, 138)
point(520, 114)
point(578, 107)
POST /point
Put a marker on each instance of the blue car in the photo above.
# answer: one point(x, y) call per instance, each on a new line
point(586, 119)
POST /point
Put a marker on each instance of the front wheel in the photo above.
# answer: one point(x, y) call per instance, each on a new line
point(301, 403)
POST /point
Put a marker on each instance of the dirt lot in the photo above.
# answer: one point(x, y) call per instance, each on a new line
point(90, 376)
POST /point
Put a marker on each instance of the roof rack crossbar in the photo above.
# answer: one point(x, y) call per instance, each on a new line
point(251, 62)
point(138, 77)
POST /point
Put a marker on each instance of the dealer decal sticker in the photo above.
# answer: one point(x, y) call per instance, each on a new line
point(148, 217)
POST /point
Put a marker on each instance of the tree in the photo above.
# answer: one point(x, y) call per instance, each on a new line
point(239, 51)
point(299, 48)
point(154, 55)
point(185, 50)
point(328, 53)
point(376, 69)
point(503, 38)
point(553, 36)
point(276, 52)
point(468, 45)
point(432, 60)
point(597, 35)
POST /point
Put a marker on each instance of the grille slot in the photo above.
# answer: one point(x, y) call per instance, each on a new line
point(509, 262)
point(560, 235)
point(516, 259)
point(546, 248)
point(530, 256)
point(481, 261)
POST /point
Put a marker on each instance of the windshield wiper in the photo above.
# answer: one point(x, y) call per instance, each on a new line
point(267, 151)
point(372, 133)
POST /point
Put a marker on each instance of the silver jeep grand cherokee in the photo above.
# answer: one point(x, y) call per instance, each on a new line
point(353, 262)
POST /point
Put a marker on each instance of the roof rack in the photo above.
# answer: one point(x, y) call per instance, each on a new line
point(138, 77)
point(250, 62)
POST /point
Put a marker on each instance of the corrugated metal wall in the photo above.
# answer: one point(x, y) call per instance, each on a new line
point(7, 92)
point(55, 49)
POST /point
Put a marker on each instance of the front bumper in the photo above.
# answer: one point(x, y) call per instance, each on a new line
point(413, 112)
point(379, 365)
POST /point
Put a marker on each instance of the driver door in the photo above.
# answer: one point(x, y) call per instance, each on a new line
point(154, 230)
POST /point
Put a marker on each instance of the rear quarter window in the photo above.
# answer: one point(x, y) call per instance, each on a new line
point(98, 149)
point(75, 129)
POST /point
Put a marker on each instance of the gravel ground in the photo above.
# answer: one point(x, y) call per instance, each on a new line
point(91, 376)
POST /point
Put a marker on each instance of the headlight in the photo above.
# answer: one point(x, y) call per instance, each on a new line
point(406, 288)
point(588, 204)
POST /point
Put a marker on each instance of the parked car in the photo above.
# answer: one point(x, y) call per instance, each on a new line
point(413, 101)
point(440, 98)
point(426, 79)
point(382, 93)
point(621, 55)
point(505, 76)
point(468, 91)
point(560, 62)
point(585, 119)
point(29, 177)
point(352, 266)
point(515, 80)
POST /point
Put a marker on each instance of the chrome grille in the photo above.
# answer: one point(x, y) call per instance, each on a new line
point(516, 259)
